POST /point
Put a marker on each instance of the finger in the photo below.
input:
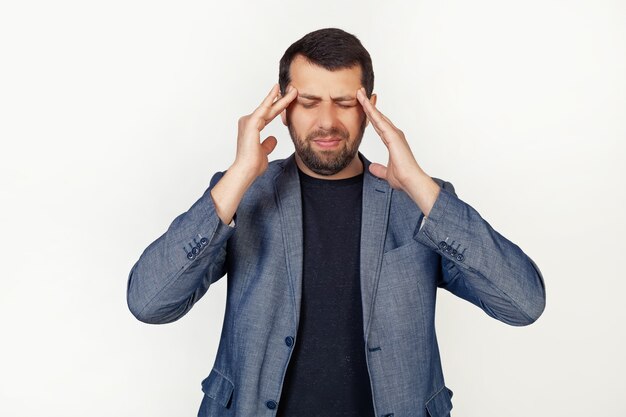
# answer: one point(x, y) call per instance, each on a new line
point(269, 99)
point(268, 110)
point(269, 144)
point(378, 170)
point(378, 120)
point(283, 102)
point(379, 131)
point(387, 119)
point(381, 123)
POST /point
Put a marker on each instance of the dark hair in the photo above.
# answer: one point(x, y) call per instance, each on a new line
point(332, 49)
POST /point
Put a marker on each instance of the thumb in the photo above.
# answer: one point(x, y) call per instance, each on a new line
point(269, 144)
point(378, 170)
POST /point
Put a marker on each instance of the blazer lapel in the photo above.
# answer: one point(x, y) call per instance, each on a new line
point(376, 201)
point(289, 202)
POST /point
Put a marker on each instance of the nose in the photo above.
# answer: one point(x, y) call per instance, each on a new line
point(327, 116)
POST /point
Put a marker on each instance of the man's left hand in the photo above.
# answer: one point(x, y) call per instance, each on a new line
point(402, 170)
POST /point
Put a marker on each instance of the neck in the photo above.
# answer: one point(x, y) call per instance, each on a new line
point(354, 168)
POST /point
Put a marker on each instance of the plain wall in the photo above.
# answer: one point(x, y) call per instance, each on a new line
point(114, 116)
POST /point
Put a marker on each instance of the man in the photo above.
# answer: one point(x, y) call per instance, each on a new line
point(333, 262)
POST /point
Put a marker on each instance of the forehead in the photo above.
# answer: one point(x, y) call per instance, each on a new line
point(313, 79)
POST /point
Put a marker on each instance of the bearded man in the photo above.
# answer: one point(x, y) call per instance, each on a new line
point(332, 262)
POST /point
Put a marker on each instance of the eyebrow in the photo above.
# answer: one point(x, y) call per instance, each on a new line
point(317, 98)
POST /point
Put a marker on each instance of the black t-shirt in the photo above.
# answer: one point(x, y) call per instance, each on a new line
point(327, 374)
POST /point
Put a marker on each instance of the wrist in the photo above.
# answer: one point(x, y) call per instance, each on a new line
point(423, 190)
point(242, 173)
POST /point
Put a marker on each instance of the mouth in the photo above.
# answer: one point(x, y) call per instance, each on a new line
point(326, 143)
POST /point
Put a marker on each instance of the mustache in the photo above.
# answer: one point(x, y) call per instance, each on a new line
point(323, 134)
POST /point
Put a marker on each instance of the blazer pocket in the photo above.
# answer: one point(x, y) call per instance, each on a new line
point(440, 404)
point(217, 387)
point(401, 252)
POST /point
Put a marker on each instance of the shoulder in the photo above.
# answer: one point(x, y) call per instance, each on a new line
point(274, 168)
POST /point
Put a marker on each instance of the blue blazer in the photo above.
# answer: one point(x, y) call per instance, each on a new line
point(403, 262)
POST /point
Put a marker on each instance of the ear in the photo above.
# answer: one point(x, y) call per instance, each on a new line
point(283, 116)
point(373, 99)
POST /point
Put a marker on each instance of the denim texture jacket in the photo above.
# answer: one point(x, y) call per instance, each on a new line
point(403, 262)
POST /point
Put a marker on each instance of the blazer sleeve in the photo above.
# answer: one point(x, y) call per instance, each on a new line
point(176, 270)
point(479, 264)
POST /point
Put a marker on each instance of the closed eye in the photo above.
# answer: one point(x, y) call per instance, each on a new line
point(308, 106)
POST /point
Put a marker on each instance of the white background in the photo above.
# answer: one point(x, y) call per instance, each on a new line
point(114, 115)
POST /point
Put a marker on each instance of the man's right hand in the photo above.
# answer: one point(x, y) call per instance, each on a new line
point(252, 154)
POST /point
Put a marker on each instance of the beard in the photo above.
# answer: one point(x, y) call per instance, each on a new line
point(330, 161)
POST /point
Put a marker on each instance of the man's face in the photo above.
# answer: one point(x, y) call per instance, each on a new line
point(326, 121)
